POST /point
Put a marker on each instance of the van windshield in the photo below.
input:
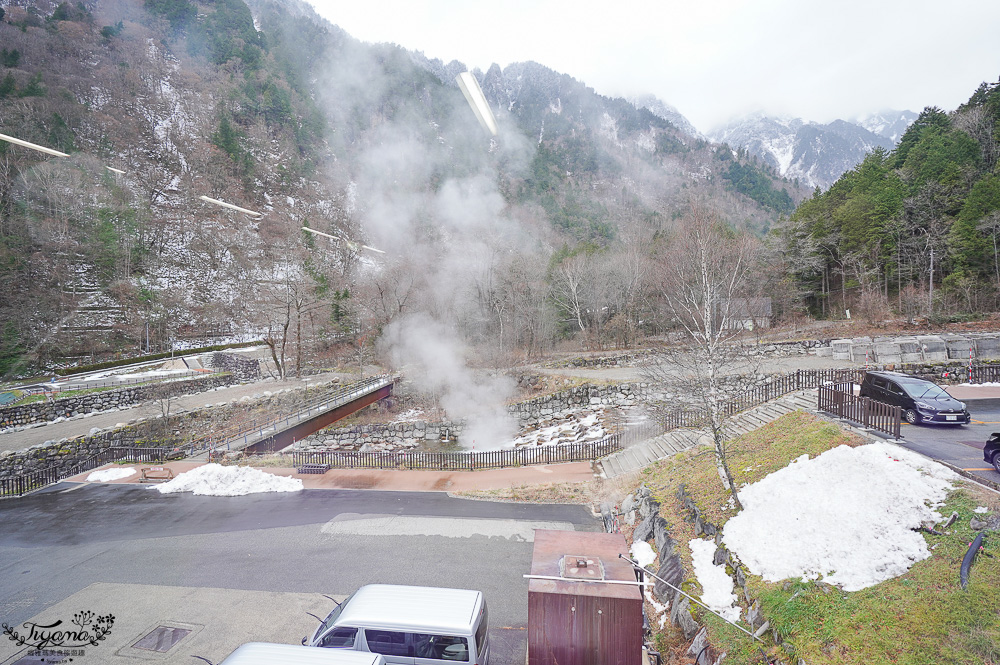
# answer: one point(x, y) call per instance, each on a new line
point(332, 617)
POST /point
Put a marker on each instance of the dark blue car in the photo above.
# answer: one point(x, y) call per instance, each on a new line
point(991, 453)
point(923, 402)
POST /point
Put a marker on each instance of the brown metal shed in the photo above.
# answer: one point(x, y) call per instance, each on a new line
point(591, 612)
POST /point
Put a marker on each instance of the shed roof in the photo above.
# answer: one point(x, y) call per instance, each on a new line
point(551, 546)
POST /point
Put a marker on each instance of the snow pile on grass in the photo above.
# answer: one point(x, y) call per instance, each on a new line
point(218, 480)
point(107, 475)
point(643, 553)
point(846, 515)
point(717, 586)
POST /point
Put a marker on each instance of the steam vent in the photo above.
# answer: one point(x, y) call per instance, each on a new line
point(584, 607)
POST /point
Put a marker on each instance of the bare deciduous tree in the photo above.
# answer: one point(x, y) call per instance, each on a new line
point(707, 280)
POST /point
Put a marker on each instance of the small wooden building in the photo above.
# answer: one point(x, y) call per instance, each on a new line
point(584, 606)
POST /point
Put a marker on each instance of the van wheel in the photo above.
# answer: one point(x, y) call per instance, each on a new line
point(910, 416)
point(996, 461)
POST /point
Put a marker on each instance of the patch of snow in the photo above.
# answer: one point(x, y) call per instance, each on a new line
point(577, 427)
point(981, 509)
point(643, 553)
point(825, 517)
point(609, 128)
point(351, 197)
point(645, 141)
point(107, 475)
point(218, 480)
point(717, 586)
point(409, 416)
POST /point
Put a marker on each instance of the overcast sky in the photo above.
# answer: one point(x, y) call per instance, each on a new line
point(713, 59)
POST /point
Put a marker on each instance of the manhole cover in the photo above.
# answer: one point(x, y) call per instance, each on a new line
point(161, 639)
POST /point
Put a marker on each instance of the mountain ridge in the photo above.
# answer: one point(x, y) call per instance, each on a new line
point(815, 154)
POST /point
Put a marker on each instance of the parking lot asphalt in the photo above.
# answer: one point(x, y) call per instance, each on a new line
point(961, 445)
point(235, 569)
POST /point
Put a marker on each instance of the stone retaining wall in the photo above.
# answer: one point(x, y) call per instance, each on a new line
point(642, 508)
point(67, 407)
point(880, 350)
point(409, 434)
point(587, 395)
point(244, 369)
point(66, 453)
point(381, 437)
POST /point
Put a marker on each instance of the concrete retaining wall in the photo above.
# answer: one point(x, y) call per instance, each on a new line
point(922, 348)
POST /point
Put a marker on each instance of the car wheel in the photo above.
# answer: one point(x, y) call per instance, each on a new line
point(910, 416)
point(996, 461)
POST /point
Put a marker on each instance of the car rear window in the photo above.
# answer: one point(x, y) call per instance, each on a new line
point(440, 647)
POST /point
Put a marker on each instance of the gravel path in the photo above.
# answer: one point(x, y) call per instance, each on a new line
point(777, 365)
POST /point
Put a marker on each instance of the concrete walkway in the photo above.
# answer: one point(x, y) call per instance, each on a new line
point(82, 425)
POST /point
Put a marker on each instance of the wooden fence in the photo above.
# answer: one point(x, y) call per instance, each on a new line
point(878, 416)
point(774, 388)
point(984, 374)
point(33, 480)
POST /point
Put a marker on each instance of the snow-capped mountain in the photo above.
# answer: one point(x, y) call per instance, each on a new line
point(663, 110)
point(890, 124)
point(815, 154)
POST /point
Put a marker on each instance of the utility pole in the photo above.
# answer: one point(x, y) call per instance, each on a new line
point(930, 290)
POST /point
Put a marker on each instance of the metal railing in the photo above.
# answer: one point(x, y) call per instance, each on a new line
point(867, 412)
point(775, 387)
point(34, 480)
point(242, 432)
point(460, 461)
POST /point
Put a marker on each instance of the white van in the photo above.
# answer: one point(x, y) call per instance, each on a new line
point(410, 625)
point(260, 653)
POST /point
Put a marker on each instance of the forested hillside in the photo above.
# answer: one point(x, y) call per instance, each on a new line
point(916, 228)
point(271, 108)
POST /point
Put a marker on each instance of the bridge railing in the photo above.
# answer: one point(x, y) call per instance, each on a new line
point(242, 432)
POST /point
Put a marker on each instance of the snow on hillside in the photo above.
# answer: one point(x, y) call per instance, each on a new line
point(826, 518)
